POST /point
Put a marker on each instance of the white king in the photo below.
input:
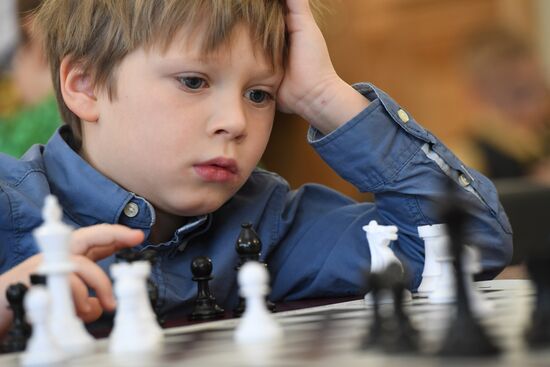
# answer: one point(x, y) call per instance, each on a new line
point(53, 238)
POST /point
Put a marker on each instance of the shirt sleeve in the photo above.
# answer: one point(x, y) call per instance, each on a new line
point(382, 150)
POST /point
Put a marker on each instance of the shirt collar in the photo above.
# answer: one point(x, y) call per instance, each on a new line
point(87, 195)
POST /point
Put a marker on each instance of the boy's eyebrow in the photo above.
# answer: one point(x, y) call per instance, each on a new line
point(267, 72)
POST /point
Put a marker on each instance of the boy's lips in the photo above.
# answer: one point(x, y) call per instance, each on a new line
point(217, 170)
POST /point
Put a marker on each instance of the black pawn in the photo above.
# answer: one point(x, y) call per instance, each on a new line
point(538, 333)
point(249, 248)
point(20, 330)
point(205, 303)
point(466, 337)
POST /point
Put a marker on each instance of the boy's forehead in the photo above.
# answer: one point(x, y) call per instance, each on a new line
point(191, 43)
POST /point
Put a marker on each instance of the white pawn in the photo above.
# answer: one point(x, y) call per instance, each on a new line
point(53, 238)
point(135, 327)
point(41, 347)
point(434, 236)
point(257, 325)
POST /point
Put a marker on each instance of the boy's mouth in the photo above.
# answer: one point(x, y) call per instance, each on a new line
point(217, 170)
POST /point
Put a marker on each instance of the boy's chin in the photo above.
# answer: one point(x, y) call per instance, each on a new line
point(198, 209)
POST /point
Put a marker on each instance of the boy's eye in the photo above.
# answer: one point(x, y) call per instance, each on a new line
point(192, 82)
point(258, 95)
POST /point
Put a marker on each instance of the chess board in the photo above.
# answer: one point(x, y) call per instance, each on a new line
point(332, 335)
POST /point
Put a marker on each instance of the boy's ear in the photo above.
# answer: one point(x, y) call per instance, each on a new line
point(78, 91)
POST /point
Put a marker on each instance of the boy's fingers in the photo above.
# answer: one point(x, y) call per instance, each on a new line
point(94, 312)
point(115, 235)
point(98, 253)
point(87, 308)
point(80, 295)
point(298, 6)
point(95, 278)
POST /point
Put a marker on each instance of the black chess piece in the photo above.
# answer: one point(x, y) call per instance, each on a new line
point(400, 336)
point(38, 279)
point(393, 332)
point(249, 245)
point(205, 304)
point(373, 338)
point(466, 337)
point(537, 334)
point(127, 255)
point(249, 248)
point(20, 330)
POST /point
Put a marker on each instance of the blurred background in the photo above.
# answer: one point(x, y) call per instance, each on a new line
point(473, 72)
point(28, 110)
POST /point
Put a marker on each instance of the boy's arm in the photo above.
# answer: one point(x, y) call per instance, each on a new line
point(88, 245)
point(311, 88)
point(381, 149)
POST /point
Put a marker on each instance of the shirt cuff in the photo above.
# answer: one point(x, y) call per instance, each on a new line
point(371, 148)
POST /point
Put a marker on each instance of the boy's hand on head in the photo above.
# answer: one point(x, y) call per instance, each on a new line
point(311, 88)
point(88, 245)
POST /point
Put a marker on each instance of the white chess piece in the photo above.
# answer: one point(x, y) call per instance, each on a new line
point(257, 325)
point(42, 348)
point(53, 239)
point(472, 265)
point(135, 327)
point(379, 238)
point(434, 236)
point(444, 286)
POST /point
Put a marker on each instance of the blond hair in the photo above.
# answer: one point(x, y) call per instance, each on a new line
point(98, 34)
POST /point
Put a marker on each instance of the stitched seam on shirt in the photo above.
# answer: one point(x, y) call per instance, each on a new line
point(397, 172)
point(26, 175)
point(411, 156)
point(18, 233)
point(334, 246)
point(73, 218)
point(420, 212)
point(17, 244)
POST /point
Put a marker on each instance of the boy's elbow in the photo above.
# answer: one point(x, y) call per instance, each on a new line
point(496, 257)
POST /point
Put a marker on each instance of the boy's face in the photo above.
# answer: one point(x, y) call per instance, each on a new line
point(185, 130)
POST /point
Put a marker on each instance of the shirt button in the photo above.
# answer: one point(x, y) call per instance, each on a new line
point(131, 210)
point(403, 116)
point(463, 180)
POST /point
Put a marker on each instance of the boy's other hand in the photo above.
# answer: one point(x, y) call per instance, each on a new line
point(311, 88)
point(87, 245)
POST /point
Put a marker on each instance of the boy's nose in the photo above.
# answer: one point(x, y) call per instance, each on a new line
point(229, 121)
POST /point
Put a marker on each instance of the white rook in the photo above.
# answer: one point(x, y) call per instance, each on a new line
point(136, 329)
point(435, 237)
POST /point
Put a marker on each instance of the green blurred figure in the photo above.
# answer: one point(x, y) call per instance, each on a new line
point(35, 117)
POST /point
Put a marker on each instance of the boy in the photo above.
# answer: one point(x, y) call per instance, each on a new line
point(169, 105)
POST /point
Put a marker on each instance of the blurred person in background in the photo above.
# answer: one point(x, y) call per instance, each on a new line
point(511, 139)
point(35, 117)
point(8, 42)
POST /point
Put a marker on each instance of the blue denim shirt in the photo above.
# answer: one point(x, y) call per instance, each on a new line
point(312, 238)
